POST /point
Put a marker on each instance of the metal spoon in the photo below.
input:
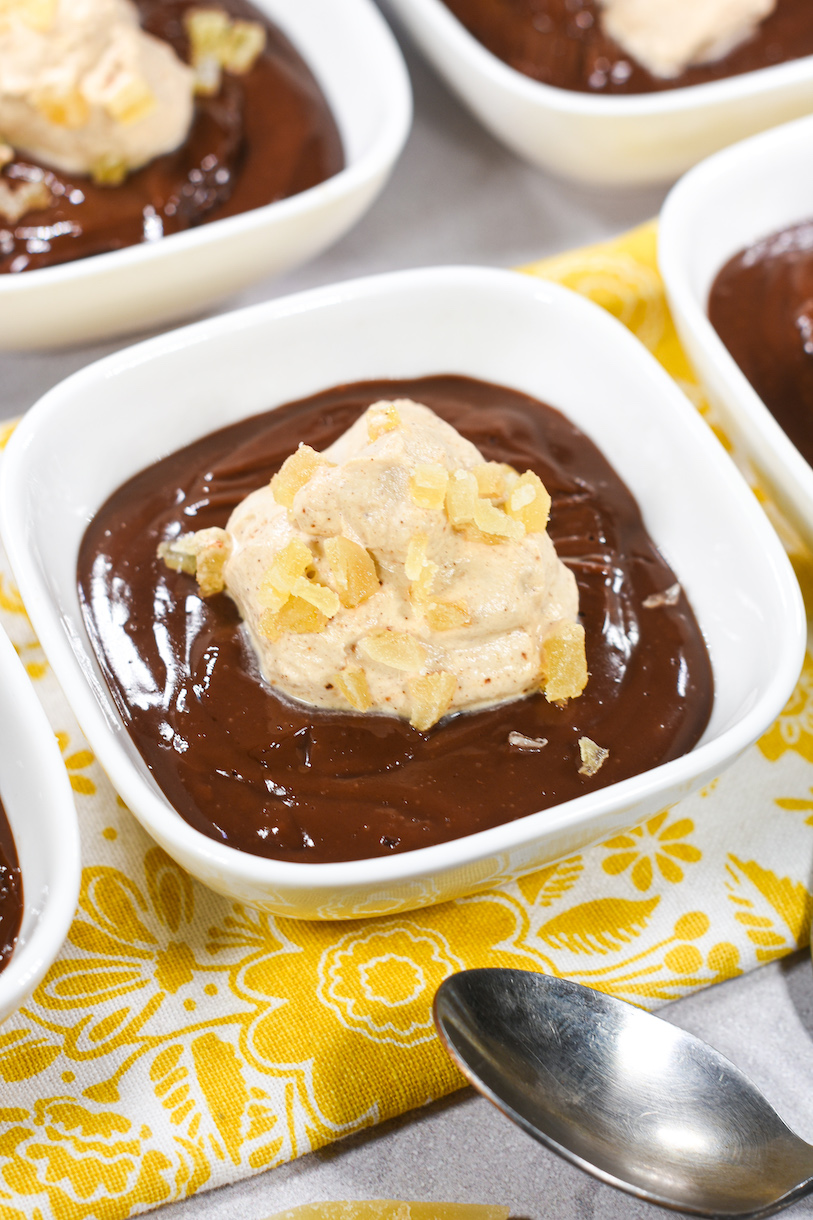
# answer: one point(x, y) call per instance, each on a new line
point(622, 1094)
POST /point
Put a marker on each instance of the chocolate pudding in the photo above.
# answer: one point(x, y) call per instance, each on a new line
point(11, 891)
point(761, 305)
point(265, 135)
point(562, 43)
point(286, 781)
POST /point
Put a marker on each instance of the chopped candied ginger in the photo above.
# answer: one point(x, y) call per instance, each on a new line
point(297, 616)
point(431, 696)
point(494, 479)
point(529, 503)
point(294, 473)
point(202, 555)
point(393, 1209)
point(64, 109)
point(287, 566)
point(16, 201)
point(109, 170)
point(668, 597)
point(593, 757)
point(216, 42)
point(428, 483)
point(396, 649)
point(564, 663)
point(494, 524)
point(320, 596)
point(419, 569)
point(461, 498)
point(519, 741)
point(382, 417)
point(446, 616)
point(131, 102)
point(352, 569)
point(353, 684)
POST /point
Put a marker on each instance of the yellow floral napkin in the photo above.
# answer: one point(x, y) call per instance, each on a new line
point(182, 1041)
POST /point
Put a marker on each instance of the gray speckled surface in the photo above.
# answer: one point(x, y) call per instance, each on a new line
point(458, 197)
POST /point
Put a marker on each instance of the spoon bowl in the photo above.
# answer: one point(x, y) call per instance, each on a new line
point(624, 1095)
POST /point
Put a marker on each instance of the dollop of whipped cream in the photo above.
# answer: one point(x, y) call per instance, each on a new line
point(84, 89)
point(668, 36)
point(398, 572)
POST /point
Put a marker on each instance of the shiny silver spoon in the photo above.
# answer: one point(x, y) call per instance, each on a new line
point(622, 1094)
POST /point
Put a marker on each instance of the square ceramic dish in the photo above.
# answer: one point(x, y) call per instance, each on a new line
point(39, 805)
point(622, 141)
point(88, 435)
point(353, 55)
point(732, 199)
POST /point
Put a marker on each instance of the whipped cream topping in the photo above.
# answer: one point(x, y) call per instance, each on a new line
point(419, 579)
point(668, 36)
point(83, 87)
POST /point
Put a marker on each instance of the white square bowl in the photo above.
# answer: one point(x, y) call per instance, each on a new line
point(355, 59)
point(635, 139)
point(39, 805)
point(105, 423)
point(731, 200)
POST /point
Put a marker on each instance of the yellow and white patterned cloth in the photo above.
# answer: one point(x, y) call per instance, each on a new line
point(182, 1041)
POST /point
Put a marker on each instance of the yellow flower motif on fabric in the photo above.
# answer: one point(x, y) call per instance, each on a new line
point(76, 1161)
point(774, 911)
point(78, 760)
point(794, 728)
point(381, 983)
point(655, 845)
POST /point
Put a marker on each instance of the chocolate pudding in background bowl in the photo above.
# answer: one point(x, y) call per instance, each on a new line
point(557, 89)
point(455, 329)
point(39, 838)
point(733, 243)
point(286, 140)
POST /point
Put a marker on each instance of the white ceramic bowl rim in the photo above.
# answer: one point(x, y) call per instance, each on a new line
point(685, 98)
point(708, 756)
point(392, 134)
point(59, 827)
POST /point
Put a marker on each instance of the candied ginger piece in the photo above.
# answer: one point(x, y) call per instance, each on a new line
point(131, 102)
point(286, 567)
point(520, 742)
point(296, 615)
point(428, 483)
point(202, 555)
point(109, 170)
point(431, 696)
point(26, 197)
point(529, 502)
point(446, 616)
point(461, 497)
point(419, 569)
point(564, 664)
point(63, 109)
point(353, 570)
point(397, 649)
point(294, 473)
point(393, 1209)
point(320, 596)
point(353, 684)
point(495, 524)
point(38, 14)
point(494, 479)
point(668, 597)
point(593, 757)
point(382, 417)
point(216, 41)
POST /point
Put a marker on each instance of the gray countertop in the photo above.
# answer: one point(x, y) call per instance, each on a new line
point(458, 197)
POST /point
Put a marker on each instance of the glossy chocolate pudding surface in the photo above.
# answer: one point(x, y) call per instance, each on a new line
point(266, 135)
point(11, 891)
point(761, 305)
point(287, 781)
point(561, 43)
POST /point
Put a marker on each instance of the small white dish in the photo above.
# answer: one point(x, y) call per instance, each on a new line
point(636, 139)
point(39, 805)
point(355, 59)
point(72, 450)
point(734, 198)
